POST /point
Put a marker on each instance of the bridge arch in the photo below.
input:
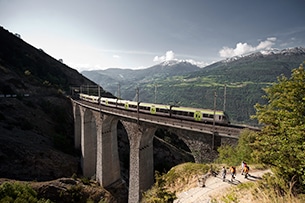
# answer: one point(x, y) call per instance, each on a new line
point(170, 150)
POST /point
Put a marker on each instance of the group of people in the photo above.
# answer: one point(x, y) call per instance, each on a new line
point(244, 170)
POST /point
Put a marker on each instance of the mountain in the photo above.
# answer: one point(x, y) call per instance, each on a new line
point(237, 81)
point(36, 118)
point(256, 67)
point(129, 79)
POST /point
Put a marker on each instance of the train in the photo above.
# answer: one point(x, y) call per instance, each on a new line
point(172, 111)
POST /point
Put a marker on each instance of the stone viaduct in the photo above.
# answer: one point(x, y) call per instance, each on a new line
point(96, 138)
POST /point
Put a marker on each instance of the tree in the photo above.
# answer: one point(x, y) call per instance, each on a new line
point(281, 143)
point(234, 155)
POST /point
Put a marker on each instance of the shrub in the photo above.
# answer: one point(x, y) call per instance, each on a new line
point(158, 193)
point(17, 192)
point(234, 155)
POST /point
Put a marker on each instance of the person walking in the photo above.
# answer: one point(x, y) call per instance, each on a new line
point(242, 167)
point(233, 172)
point(246, 170)
point(224, 173)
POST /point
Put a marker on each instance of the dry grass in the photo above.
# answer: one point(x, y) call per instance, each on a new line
point(252, 193)
point(185, 176)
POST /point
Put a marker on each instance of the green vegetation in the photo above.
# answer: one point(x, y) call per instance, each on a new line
point(159, 193)
point(234, 155)
point(281, 143)
point(17, 192)
point(176, 180)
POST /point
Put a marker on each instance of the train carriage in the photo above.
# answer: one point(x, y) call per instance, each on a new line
point(108, 102)
point(188, 113)
point(157, 109)
point(89, 98)
point(201, 115)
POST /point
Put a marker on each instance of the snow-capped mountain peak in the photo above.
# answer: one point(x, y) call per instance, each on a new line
point(273, 51)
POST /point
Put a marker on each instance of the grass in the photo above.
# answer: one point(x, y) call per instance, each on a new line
point(180, 178)
point(253, 192)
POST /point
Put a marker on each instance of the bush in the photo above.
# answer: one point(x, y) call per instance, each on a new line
point(234, 155)
point(16, 192)
point(158, 193)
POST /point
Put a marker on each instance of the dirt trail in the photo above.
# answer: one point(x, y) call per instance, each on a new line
point(214, 186)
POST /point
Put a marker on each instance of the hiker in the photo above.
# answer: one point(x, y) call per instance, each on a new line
point(246, 171)
point(233, 172)
point(242, 167)
point(224, 173)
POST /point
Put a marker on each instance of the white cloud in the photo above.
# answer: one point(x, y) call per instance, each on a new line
point(169, 55)
point(116, 56)
point(244, 48)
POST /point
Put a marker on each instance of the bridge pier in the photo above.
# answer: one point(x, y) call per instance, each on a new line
point(141, 169)
point(108, 162)
point(96, 137)
point(89, 142)
point(77, 126)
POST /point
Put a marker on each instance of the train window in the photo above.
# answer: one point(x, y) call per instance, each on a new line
point(182, 113)
point(163, 110)
point(219, 118)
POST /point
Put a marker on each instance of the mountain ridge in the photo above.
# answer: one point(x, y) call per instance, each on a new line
point(244, 78)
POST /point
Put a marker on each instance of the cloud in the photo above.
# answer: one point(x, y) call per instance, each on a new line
point(169, 55)
point(244, 48)
point(116, 56)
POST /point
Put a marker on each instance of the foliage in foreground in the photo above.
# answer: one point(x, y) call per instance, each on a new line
point(158, 193)
point(281, 143)
point(17, 192)
point(167, 185)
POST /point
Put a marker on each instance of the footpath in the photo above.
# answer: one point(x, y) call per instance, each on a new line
point(214, 186)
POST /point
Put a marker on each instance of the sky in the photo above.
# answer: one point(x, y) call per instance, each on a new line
point(101, 34)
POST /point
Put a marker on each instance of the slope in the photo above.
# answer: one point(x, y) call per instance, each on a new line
point(36, 120)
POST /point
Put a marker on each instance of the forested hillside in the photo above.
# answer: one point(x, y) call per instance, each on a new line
point(237, 81)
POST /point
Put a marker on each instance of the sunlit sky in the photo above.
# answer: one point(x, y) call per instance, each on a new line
point(100, 34)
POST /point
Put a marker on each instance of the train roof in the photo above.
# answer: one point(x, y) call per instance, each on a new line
point(163, 106)
point(204, 111)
